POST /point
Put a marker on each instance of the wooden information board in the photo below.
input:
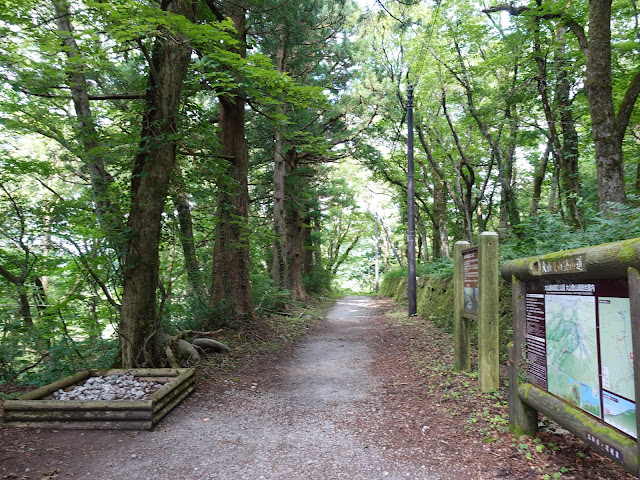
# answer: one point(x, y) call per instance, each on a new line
point(470, 281)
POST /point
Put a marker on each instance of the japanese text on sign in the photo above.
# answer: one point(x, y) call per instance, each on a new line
point(470, 281)
point(575, 263)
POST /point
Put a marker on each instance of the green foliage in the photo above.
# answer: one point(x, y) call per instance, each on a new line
point(318, 281)
point(548, 233)
point(48, 351)
point(544, 233)
point(267, 298)
point(441, 268)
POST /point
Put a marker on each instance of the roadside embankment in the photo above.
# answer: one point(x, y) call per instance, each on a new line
point(435, 303)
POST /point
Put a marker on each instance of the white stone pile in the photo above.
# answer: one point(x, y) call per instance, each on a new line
point(110, 387)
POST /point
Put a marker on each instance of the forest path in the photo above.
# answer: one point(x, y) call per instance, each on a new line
point(321, 412)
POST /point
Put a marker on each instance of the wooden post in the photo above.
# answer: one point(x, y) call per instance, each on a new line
point(523, 419)
point(488, 311)
point(633, 277)
point(461, 325)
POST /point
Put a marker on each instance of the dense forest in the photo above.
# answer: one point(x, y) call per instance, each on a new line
point(187, 165)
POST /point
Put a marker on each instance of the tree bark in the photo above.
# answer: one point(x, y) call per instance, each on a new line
point(195, 279)
point(599, 90)
point(309, 247)
point(295, 236)
point(295, 241)
point(570, 152)
point(441, 246)
point(231, 287)
point(109, 214)
point(538, 180)
point(279, 269)
point(553, 194)
point(565, 153)
point(317, 248)
point(438, 191)
point(391, 244)
point(149, 186)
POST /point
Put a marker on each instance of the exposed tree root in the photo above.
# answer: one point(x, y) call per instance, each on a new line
point(179, 351)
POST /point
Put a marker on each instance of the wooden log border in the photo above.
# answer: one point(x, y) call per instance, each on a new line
point(590, 430)
point(35, 410)
point(610, 260)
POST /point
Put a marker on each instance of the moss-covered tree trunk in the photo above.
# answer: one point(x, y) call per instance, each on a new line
point(149, 186)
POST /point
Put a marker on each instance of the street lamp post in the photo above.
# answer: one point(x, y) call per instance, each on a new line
point(411, 235)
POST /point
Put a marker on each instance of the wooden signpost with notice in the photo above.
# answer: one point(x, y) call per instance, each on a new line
point(476, 298)
point(470, 275)
point(576, 326)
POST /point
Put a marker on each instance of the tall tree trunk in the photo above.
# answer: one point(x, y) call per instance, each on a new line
point(309, 247)
point(599, 90)
point(149, 186)
point(570, 153)
point(553, 194)
point(440, 233)
point(295, 236)
point(538, 180)
point(423, 245)
point(295, 241)
point(108, 212)
point(279, 264)
point(390, 243)
point(197, 289)
point(317, 248)
point(376, 254)
point(230, 285)
point(509, 213)
point(279, 269)
point(565, 152)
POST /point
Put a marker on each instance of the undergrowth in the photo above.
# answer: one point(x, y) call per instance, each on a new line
point(484, 415)
point(272, 333)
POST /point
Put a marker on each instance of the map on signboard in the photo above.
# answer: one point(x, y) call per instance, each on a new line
point(572, 352)
point(616, 358)
point(620, 413)
point(615, 346)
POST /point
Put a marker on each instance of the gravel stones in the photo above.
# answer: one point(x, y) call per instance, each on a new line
point(110, 387)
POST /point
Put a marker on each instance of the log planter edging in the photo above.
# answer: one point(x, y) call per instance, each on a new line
point(36, 410)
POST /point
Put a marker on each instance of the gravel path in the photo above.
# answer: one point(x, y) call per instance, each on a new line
point(302, 419)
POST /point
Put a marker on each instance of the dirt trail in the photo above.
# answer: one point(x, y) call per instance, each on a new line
point(316, 414)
